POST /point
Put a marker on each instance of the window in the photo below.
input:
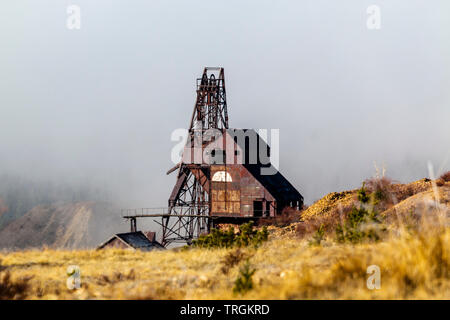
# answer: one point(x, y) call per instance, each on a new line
point(257, 208)
point(222, 176)
point(218, 156)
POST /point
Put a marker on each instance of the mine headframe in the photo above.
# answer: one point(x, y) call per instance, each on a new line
point(218, 182)
point(210, 111)
point(189, 204)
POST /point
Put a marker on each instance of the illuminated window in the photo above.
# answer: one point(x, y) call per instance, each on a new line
point(222, 176)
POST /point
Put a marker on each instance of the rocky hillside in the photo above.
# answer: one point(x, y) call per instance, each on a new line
point(69, 225)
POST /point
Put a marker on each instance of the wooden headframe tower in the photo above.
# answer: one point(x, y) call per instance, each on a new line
point(189, 201)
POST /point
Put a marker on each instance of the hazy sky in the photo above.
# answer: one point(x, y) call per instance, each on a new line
point(99, 104)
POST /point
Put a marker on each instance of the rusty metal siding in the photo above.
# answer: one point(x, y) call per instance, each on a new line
point(236, 198)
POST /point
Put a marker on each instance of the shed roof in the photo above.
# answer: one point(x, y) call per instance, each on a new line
point(135, 240)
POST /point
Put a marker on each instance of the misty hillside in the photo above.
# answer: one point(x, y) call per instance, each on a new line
point(34, 213)
point(73, 225)
point(18, 195)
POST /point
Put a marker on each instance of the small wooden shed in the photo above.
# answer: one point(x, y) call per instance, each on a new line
point(132, 240)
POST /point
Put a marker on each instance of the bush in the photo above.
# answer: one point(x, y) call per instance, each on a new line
point(352, 230)
point(360, 222)
point(379, 187)
point(445, 176)
point(232, 259)
point(244, 281)
point(362, 194)
point(328, 222)
point(384, 194)
point(318, 236)
point(12, 288)
point(246, 236)
point(287, 216)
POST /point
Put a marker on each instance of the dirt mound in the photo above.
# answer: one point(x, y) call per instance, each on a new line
point(402, 191)
point(330, 202)
point(74, 225)
point(422, 202)
point(395, 193)
point(391, 200)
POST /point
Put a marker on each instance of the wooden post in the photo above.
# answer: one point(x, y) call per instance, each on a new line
point(133, 224)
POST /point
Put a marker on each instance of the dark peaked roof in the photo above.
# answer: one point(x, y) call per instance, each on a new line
point(135, 240)
point(278, 186)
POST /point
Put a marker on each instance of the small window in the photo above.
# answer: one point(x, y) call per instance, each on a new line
point(218, 156)
point(236, 152)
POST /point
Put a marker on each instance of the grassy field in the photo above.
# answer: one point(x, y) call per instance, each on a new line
point(413, 258)
point(412, 266)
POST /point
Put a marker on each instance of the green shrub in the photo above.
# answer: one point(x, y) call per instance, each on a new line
point(361, 223)
point(363, 197)
point(246, 236)
point(244, 281)
point(350, 231)
point(318, 236)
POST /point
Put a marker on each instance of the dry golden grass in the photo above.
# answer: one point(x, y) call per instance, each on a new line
point(413, 265)
point(413, 257)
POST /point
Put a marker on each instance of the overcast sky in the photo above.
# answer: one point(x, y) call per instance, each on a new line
point(99, 103)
